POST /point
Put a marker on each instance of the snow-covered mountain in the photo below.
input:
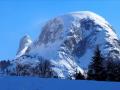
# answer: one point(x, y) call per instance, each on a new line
point(69, 41)
point(25, 42)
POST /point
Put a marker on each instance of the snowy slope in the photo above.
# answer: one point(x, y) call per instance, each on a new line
point(29, 83)
point(69, 41)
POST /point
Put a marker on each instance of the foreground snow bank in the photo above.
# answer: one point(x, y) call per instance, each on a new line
point(30, 83)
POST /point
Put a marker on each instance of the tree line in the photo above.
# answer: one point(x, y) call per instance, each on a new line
point(100, 69)
point(43, 68)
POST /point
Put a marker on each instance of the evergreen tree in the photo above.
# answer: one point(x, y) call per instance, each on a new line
point(4, 65)
point(79, 76)
point(22, 70)
point(96, 69)
point(43, 69)
point(113, 70)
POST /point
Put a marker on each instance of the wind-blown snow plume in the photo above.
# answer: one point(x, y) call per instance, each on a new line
point(69, 41)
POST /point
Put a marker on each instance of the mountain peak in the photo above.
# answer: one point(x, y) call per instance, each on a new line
point(69, 41)
point(25, 42)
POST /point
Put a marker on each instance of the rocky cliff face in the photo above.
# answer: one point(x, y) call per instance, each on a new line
point(25, 42)
point(69, 41)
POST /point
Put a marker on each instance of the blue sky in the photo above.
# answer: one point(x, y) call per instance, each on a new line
point(21, 17)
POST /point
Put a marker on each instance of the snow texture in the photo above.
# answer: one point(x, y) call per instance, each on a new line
point(29, 83)
point(69, 41)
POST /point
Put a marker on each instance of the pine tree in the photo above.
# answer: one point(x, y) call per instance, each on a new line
point(4, 65)
point(96, 69)
point(110, 70)
point(117, 73)
point(113, 70)
point(43, 69)
point(79, 76)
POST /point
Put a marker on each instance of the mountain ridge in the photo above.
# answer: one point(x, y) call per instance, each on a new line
point(68, 41)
